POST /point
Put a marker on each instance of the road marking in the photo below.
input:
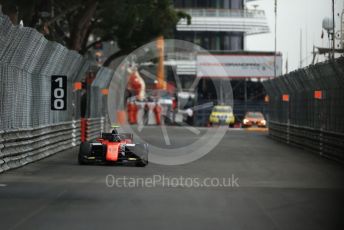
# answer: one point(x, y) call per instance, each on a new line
point(258, 129)
point(190, 128)
point(165, 135)
point(140, 127)
point(203, 106)
point(3, 185)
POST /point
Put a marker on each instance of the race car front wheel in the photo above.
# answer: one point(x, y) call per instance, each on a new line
point(142, 163)
point(84, 150)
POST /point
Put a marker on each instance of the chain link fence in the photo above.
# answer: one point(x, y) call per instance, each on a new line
point(306, 108)
point(27, 62)
point(29, 129)
point(99, 93)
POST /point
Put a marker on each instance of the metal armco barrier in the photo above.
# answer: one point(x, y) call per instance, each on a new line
point(20, 147)
point(306, 108)
point(91, 128)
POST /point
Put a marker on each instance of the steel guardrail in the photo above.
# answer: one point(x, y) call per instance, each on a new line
point(22, 146)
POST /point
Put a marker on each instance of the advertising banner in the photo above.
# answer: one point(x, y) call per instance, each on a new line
point(238, 66)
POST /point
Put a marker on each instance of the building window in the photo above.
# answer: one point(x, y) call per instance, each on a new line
point(178, 3)
point(226, 42)
point(237, 4)
point(219, 4)
point(214, 40)
point(236, 42)
point(227, 4)
point(205, 43)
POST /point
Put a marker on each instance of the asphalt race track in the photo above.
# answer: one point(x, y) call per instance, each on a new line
point(280, 187)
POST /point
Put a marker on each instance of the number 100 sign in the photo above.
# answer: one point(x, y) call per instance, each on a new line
point(58, 92)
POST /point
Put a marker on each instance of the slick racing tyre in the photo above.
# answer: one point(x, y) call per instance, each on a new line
point(84, 150)
point(141, 163)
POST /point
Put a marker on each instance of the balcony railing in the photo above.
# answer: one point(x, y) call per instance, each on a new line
point(247, 21)
point(233, 13)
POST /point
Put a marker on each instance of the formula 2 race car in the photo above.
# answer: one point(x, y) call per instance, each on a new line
point(113, 148)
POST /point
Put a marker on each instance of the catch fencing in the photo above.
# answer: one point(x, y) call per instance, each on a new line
point(29, 129)
point(27, 62)
point(306, 108)
point(97, 106)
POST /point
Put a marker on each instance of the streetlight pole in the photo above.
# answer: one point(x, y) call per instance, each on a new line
point(275, 71)
point(333, 31)
point(341, 29)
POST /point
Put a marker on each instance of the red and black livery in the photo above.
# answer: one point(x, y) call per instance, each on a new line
point(114, 148)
